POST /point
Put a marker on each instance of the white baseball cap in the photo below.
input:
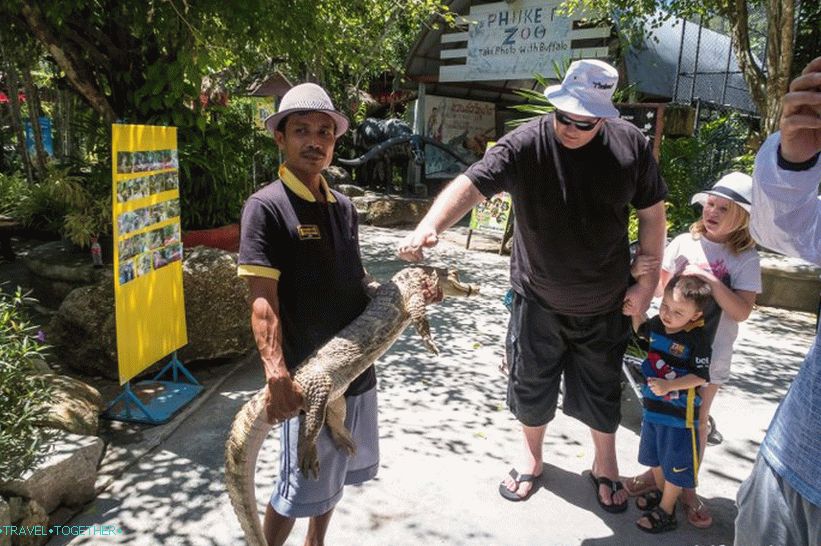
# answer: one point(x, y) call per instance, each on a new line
point(736, 186)
point(307, 97)
point(587, 90)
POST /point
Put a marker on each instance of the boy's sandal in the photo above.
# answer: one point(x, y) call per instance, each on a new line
point(535, 482)
point(660, 521)
point(651, 499)
point(638, 485)
point(697, 514)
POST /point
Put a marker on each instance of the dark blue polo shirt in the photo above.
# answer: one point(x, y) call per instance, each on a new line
point(312, 250)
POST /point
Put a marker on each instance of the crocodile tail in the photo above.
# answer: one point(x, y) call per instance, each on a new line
point(248, 432)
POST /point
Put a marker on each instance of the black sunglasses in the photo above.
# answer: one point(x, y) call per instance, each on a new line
point(562, 118)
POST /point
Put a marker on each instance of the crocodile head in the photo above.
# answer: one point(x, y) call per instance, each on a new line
point(441, 282)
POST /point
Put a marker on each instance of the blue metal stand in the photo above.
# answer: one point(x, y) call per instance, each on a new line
point(157, 401)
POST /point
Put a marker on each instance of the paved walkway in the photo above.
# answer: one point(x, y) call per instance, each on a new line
point(446, 441)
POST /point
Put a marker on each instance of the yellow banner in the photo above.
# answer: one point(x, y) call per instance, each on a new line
point(147, 246)
point(264, 107)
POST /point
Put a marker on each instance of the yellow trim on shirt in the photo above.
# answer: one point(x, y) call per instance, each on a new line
point(258, 271)
point(295, 185)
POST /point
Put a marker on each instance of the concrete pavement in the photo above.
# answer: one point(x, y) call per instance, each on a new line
point(446, 441)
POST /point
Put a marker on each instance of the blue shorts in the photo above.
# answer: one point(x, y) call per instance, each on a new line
point(297, 496)
point(674, 449)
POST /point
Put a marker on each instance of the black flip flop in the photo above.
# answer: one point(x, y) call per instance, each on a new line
point(614, 486)
point(520, 478)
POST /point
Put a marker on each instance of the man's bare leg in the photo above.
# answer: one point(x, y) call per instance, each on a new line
point(532, 461)
point(317, 528)
point(605, 465)
point(276, 527)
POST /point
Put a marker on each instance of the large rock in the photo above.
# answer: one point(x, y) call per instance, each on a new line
point(336, 176)
point(5, 519)
point(789, 283)
point(34, 517)
point(58, 268)
point(216, 306)
point(216, 313)
point(65, 474)
point(75, 407)
point(388, 210)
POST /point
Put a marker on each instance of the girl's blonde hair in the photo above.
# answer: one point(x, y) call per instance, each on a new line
point(740, 238)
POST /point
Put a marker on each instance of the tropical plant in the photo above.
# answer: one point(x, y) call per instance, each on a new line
point(12, 188)
point(66, 203)
point(24, 396)
point(691, 164)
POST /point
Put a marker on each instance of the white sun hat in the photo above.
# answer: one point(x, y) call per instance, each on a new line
point(307, 97)
point(736, 186)
point(587, 90)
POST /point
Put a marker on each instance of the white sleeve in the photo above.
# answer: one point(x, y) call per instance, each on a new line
point(748, 275)
point(786, 208)
point(668, 262)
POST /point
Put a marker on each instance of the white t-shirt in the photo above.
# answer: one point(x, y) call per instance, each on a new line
point(738, 271)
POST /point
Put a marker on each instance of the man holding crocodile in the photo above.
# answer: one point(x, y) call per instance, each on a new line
point(300, 255)
point(573, 176)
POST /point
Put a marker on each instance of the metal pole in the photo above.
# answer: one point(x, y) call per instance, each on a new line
point(678, 65)
point(727, 72)
point(695, 64)
point(417, 172)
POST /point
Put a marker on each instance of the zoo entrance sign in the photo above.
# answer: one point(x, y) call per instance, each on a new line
point(515, 40)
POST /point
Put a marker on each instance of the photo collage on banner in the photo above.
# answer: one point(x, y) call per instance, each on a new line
point(143, 249)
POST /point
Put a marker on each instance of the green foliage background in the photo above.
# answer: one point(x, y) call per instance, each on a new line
point(24, 396)
point(170, 62)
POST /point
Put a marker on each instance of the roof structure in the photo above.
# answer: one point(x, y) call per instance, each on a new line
point(683, 63)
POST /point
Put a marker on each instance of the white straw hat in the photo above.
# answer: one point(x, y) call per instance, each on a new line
point(587, 90)
point(307, 97)
point(736, 186)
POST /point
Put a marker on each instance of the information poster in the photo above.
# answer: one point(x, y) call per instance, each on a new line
point(148, 291)
point(492, 215)
point(464, 126)
point(263, 107)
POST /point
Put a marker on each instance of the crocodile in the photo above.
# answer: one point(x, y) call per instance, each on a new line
point(324, 377)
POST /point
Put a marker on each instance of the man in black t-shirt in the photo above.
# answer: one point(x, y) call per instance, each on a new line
point(299, 251)
point(573, 176)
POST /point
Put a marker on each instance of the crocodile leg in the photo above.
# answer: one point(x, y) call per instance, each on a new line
point(316, 394)
point(335, 421)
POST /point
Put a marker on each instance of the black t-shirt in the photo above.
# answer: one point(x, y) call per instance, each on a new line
point(570, 247)
point(312, 249)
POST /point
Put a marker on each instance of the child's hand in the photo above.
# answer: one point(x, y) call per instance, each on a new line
point(642, 265)
point(659, 386)
point(696, 271)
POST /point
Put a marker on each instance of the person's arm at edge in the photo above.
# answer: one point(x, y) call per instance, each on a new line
point(652, 236)
point(284, 398)
point(786, 211)
point(452, 203)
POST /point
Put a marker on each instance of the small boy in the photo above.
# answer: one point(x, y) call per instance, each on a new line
point(678, 361)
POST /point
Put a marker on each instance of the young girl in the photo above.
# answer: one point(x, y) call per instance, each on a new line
point(720, 250)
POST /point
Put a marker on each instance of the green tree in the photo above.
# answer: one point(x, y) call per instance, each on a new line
point(768, 78)
point(161, 61)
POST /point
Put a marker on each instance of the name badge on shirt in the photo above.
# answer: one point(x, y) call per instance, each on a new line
point(308, 231)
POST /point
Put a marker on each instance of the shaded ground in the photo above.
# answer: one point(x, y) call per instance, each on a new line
point(446, 440)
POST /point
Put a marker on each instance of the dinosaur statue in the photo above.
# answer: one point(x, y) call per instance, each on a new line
point(326, 374)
